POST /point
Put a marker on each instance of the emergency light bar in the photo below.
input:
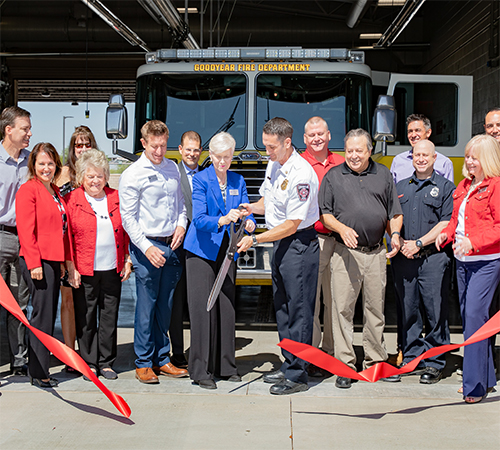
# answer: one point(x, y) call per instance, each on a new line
point(256, 53)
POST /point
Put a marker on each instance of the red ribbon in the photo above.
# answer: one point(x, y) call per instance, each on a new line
point(382, 369)
point(59, 350)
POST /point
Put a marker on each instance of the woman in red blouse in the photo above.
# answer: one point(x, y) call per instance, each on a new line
point(42, 227)
point(474, 229)
point(101, 262)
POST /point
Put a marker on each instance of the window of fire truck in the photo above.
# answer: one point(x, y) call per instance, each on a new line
point(343, 100)
point(187, 101)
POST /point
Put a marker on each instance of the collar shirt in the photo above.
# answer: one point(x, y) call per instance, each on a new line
point(290, 192)
point(402, 166)
point(425, 203)
point(151, 201)
point(12, 175)
point(190, 174)
point(321, 169)
point(363, 202)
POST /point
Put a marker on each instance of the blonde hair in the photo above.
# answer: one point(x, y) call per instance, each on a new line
point(91, 158)
point(487, 151)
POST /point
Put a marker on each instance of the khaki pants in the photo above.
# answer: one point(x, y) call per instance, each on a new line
point(326, 247)
point(352, 271)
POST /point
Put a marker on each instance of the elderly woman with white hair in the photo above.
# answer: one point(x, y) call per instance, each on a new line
point(217, 194)
point(101, 262)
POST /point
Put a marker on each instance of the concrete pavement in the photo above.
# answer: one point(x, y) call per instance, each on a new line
point(177, 414)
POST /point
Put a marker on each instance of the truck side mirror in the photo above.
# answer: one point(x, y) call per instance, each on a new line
point(117, 124)
point(384, 121)
point(116, 117)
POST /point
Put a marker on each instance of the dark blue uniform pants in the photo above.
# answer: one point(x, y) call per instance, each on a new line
point(295, 276)
point(423, 282)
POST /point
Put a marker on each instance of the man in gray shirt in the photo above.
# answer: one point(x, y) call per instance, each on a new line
point(15, 126)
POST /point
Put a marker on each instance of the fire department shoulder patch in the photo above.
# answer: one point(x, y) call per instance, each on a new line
point(303, 191)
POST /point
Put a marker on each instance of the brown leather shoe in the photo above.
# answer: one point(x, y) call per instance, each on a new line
point(170, 370)
point(146, 375)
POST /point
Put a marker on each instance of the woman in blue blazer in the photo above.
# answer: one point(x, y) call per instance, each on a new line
point(217, 194)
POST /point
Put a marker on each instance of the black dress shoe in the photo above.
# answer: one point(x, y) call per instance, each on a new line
point(206, 384)
point(19, 370)
point(431, 375)
point(235, 378)
point(286, 387)
point(392, 378)
point(274, 377)
point(343, 382)
point(179, 361)
point(38, 382)
point(419, 370)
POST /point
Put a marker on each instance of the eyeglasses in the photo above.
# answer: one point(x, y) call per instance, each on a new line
point(87, 145)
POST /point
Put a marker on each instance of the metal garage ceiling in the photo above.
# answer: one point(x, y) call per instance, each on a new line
point(68, 41)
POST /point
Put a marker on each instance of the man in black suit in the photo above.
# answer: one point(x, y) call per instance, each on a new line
point(190, 150)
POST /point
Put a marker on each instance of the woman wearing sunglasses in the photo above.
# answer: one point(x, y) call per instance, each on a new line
point(81, 141)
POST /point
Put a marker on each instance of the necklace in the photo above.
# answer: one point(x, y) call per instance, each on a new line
point(475, 183)
point(99, 215)
point(90, 199)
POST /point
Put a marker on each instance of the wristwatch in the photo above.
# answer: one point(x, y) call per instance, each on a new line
point(254, 240)
point(419, 244)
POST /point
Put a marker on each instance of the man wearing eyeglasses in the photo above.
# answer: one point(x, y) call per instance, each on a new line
point(190, 150)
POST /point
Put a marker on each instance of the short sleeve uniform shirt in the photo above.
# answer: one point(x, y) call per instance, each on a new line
point(290, 192)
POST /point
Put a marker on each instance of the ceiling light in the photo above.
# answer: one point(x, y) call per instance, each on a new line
point(391, 2)
point(370, 35)
point(45, 93)
point(189, 10)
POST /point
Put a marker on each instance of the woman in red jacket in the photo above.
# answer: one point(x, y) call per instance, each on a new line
point(475, 229)
point(81, 140)
point(42, 227)
point(101, 262)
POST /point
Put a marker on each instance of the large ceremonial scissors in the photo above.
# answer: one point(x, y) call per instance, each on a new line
point(234, 238)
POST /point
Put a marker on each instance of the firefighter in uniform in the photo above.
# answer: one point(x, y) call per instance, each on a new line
point(290, 204)
point(421, 273)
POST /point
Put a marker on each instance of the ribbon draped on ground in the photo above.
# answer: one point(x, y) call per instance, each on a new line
point(382, 369)
point(65, 354)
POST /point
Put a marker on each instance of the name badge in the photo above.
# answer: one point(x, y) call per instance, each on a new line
point(233, 192)
point(153, 178)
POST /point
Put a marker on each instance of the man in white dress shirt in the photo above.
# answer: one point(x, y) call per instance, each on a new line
point(154, 216)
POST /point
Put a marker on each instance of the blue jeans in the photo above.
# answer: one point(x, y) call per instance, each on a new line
point(155, 293)
point(477, 282)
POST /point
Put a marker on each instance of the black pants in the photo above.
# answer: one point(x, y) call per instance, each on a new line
point(295, 267)
point(423, 282)
point(44, 298)
point(11, 273)
point(96, 317)
point(212, 348)
point(176, 330)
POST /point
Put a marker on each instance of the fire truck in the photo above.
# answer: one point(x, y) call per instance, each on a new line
point(239, 89)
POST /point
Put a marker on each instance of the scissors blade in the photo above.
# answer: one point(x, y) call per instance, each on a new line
point(214, 293)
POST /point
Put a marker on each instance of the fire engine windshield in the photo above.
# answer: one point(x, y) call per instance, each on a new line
point(343, 100)
point(206, 103)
